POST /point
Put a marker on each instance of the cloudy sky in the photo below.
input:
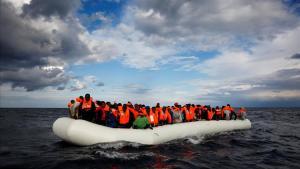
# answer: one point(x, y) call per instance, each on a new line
point(204, 51)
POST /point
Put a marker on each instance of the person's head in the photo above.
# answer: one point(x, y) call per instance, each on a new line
point(179, 106)
point(188, 105)
point(217, 107)
point(115, 106)
point(157, 104)
point(228, 105)
point(81, 97)
point(147, 108)
point(176, 104)
point(87, 97)
point(124, 107)
point(136, 107)
point(98, 103)
point(72, 101)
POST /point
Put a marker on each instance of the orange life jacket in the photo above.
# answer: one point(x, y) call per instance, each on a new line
point(192, 113)
point(189, 113)
point(176, 109)
point(168, 116)
point(218, 112)
point(104, 111)
point(87, 105)
point(124, 116)
point(114, 112)
point(152, 118)
point(134, 112)
point(79, 100)
point(160, 113)
point(143, 110)
point(70, 104)
point(227, 108)
point(210, 114)
point(106, 107)
point(241, 111)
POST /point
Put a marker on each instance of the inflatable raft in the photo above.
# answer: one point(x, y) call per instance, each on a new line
point(84, 133)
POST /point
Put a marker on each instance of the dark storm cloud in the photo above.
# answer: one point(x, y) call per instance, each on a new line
point(61, 8)
point(296, 56)
point(26, 48)
point(20, 44)
point(286, 79)
point(273, 88)
point(34, 79)
point(190, 18)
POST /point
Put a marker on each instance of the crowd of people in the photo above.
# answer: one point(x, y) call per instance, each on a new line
point(140, 116)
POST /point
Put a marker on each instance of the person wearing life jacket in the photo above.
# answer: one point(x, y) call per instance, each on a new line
point(222, 113)
point(101, 112)
point(186, 112)
point(106, 109)
point(134, 112)
point(232, 113)
point(79, 99)
point(198, 111)
point(124, 116)
point(70, 110)
point(210, 113)
point(168, 117)
point(78, 102)
point(143, 109)
point(218, 113)
point(161, 114)
point(141, 122)
point(71, 103)
point(227, 112)
point(242, 113)
point(151, 116)
point(204, 112)
point(98, 112)
point(192, 113)
point(112, 116)
point(177, 114)
point(87, 108)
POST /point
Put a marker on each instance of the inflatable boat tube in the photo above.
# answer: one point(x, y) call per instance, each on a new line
point(84, 133)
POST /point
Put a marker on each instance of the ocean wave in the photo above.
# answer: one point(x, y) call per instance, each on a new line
point(116, 145)
point(122, 155)
point(195, 140)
